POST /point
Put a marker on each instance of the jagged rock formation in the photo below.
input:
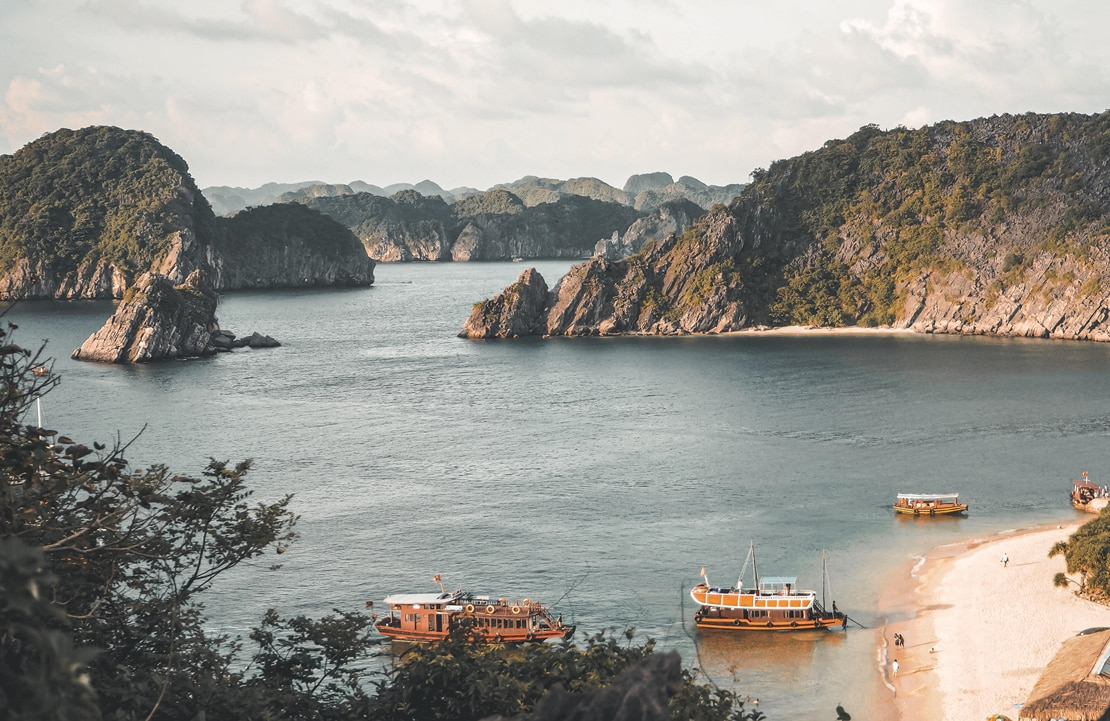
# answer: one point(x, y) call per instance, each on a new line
point(640, 693)
point(518, 310)
point(156, 321)
point(996, 226)
point(83, 213)
point(671, 217)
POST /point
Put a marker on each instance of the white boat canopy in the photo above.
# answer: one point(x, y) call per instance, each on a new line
point(423, 599)
point(927, 496)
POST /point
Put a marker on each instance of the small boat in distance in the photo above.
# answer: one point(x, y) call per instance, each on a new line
point(929, 504)
point(771, 603)
point(423, 617)
point(1088, 496)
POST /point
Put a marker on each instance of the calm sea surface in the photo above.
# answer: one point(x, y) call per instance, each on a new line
point(597, 475)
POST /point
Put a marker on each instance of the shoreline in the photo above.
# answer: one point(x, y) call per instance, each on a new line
point(977, 633)
point(822, 330)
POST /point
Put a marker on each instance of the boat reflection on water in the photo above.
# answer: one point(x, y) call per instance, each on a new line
point(749, 656)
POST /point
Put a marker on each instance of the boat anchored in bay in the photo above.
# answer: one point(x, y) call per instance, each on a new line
point(422, 617)
point(772, 603)
point(929, 504)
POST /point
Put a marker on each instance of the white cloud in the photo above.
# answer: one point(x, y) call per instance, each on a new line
point(476, 92)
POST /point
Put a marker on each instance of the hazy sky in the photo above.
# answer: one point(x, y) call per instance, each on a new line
point(477, 92)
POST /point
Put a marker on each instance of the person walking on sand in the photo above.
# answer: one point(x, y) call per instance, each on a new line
point(1005, 559)
point(894, 667)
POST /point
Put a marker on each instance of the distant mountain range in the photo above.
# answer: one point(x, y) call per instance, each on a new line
point(644, 192)
point(528, 218)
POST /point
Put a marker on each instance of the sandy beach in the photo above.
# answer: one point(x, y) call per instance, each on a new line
point(978, 633)
point(818, 330)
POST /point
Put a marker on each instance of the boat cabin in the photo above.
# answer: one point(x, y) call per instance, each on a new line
point(929, 504)
point(1088, 496)
point(420, 617)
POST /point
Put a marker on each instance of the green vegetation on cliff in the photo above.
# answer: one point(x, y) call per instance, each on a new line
point(863, 216)
point(119, 195)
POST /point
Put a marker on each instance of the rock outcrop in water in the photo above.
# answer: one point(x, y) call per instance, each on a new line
point(516, 311)
point(156, 321)
point(998, 226)
point(159, 320)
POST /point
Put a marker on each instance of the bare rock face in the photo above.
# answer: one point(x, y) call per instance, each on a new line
point(672, 217)
point(681, 285)
point(640, 693)
point(156, 321)
point(516, 311)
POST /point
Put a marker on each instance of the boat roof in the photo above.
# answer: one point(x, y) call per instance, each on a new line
point(927, 496)
point(778, 580)
point(424, 599)
point(1086, 484)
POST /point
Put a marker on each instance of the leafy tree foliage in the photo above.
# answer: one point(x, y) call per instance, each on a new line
point(456, 680)
point(126, 556)
point(1087, 554)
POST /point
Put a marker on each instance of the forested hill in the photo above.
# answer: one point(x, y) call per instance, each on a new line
point(997, 226)
point(84, 212)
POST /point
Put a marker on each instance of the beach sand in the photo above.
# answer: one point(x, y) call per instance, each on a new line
point(817, 330)
point(978, 634)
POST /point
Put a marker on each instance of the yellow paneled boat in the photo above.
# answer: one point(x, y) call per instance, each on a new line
point(773, 603)
point(929, 504)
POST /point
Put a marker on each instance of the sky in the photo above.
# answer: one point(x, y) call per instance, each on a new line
point(479, 92)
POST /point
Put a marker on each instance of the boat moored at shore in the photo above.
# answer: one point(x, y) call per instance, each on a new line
point(772, 603)
point(929, 504)
point(1088, 496)
point(422, 617)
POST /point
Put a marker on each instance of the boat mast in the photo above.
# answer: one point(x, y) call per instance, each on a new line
point(824, 575)
point(755, 567)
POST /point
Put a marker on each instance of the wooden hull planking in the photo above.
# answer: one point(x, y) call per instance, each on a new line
point(725, 623)
point(941, 511)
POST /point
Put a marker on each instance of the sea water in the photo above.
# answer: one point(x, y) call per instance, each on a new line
point(597, 475)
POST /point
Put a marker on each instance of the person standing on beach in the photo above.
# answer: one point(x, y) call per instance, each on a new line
point(1005, 559)
point(894, 667)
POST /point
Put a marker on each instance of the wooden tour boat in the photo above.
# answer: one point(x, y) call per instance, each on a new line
point(929, 504)
point(1088, 496)
point(421, 617)
point(773, 603)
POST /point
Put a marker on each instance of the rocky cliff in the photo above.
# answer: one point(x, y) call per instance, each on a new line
point(674, 216)
point(84, 213)
point(156, 321)
point(995, 226)
point(516, 311)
